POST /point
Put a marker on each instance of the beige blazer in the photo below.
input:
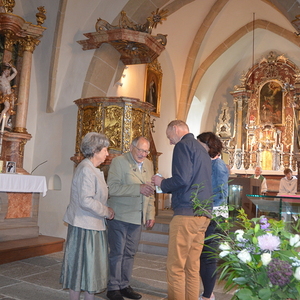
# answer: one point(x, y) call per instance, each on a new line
point(124, 180)
point(88, 204)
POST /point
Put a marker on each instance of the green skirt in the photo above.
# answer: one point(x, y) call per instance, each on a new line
point(85, 263)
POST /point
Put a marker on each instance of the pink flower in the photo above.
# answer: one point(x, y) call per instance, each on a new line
point(268, 242)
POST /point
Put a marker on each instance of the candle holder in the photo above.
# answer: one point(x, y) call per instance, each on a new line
point(281, 161)
point(243, 159)
point(1, 142)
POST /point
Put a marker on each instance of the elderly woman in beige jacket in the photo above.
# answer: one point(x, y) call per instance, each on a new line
point(85, 264)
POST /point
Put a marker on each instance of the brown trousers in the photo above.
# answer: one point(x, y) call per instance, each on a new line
point(186, 238)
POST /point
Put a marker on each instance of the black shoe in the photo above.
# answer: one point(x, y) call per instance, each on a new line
point(114, 295)
point(128, 292)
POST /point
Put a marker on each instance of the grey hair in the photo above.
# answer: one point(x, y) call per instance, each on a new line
point(92, 143)
point(135, 141)
point(178, 123)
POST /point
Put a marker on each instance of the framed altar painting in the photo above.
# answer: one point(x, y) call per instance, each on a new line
point(153, 81)
point(271, 103)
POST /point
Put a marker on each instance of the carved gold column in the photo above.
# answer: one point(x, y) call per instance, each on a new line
point(28, 44)
point(8, 45)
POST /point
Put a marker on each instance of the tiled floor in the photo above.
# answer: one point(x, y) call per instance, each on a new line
point(38, 279)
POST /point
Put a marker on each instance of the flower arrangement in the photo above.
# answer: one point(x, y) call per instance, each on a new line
point(261, 260)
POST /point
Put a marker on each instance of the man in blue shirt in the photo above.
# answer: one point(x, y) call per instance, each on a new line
point(191, 167)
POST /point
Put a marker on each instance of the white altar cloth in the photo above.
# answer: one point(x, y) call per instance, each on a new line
point(23, 183)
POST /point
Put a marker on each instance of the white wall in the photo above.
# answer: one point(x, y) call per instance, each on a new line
point(54, 133)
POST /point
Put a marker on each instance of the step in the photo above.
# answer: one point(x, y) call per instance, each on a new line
point(153, 248)
point(9, 233)
point(155, 236)
point(162, 227)
point(25, 248)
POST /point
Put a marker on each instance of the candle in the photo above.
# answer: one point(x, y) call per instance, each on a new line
point(3, 122)
point(243, 148)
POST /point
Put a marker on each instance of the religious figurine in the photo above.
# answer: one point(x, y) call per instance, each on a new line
point(7, 93)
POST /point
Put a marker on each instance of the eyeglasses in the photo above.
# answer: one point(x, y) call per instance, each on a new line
point(141, 150)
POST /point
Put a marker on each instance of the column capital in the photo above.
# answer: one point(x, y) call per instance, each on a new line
point(9, 41)
point(29, 43)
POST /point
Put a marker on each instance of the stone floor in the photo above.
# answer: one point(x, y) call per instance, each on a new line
point(38, 279)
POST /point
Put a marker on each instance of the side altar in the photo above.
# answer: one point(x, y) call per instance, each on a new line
point(19, 201)
point(19, 231)
point(19, 191)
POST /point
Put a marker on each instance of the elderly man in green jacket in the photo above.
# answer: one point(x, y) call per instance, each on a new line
point(131, 198)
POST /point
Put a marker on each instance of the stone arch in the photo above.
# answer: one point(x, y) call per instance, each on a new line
point(190, 89)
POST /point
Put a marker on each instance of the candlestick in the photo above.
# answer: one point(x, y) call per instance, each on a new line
point(3, 123)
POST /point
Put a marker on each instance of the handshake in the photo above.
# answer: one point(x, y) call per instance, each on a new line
point(147, 188)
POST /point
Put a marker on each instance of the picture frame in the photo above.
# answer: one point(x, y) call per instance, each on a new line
point(271, 107)
point(153, 80)
point(10, 167)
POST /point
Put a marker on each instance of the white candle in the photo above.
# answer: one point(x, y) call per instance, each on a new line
point(3, 122)
point(243, 148)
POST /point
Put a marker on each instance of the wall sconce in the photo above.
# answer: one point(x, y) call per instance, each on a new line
point(119, 83)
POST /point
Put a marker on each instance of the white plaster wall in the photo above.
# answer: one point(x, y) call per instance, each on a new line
point(54, 133)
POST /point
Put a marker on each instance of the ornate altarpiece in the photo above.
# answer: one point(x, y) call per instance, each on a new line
point(18, 40)
point(266, 117)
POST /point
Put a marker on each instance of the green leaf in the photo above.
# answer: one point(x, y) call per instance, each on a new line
point(254, 240)
point(246, 294)
point(240, 280)
point(265, 294)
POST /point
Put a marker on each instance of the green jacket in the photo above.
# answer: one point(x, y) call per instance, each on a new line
point(124, 180)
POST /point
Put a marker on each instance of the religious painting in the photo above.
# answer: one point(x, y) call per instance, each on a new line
point(271, 98)
point(153, 86)
point(10, 167)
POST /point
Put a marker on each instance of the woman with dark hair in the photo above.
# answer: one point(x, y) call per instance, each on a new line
point(85, 264)
point(220, 174)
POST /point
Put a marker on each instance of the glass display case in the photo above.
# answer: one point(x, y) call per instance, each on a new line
point(279, 207)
